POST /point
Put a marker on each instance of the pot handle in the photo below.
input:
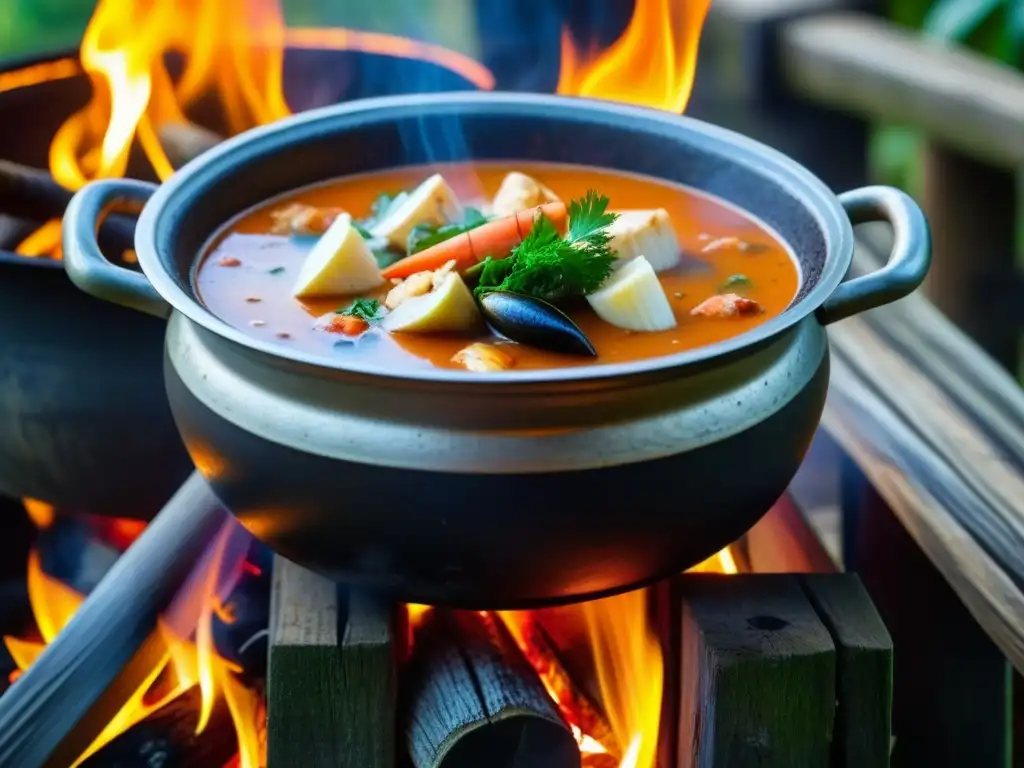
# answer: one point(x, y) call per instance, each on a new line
point(85, 263)
point(907, 265)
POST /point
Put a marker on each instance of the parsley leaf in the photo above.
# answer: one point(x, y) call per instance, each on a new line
point(549, 267)
point(365, 309)
point(379, 210)
point(424, 236)
point(736, 282)
point(276, 270)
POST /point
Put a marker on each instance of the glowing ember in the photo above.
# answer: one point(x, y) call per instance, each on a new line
point(188, 663)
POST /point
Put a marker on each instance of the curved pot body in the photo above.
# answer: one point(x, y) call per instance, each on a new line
point(515, 488)
point(84, 423)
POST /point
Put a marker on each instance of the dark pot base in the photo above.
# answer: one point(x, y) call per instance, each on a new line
point(508, 541)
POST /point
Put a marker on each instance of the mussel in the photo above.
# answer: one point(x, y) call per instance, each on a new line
point(534, 322)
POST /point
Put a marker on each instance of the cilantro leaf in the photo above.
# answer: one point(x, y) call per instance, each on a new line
point(549, 267)
point(365, 309)
point(379, 210)
point(736, 282)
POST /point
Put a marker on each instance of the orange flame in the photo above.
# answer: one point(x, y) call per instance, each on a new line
point(193, 663)
point(652, 64)
point(233, 50)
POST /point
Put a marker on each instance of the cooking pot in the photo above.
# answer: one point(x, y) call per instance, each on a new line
point(517, 488)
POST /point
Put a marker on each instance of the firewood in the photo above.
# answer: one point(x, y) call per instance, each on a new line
point(758, 672)
point(470, 699)
point(864, 655)
point(184, 142)
point(33, 194)
point(59, 705)
point(331, 675)
point(167, 738)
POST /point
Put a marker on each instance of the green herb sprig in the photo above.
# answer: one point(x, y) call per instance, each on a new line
point(424, 236)
point(550, 267)
point(365, 309)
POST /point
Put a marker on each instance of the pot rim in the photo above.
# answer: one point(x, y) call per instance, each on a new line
point(813, 194)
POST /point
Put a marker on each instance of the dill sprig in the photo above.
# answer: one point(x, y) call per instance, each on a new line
point(550, 267)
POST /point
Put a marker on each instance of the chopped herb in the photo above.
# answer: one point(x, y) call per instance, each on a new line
point(550, 267)
point(386, 256)
point(276, 270)
point(424, 236)
point(365, 309)
point(363, 231)
point(379, 210)
point(736, 281)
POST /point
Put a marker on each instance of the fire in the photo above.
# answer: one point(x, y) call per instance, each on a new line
point(623, 724)
point(652, 64)
point(232, 50)
point(181, 663)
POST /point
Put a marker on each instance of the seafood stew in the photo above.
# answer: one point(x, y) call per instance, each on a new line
point(493, 267)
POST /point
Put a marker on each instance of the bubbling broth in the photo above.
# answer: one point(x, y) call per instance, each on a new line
point(489, 266)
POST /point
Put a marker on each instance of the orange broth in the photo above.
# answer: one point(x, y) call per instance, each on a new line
point(718, 241)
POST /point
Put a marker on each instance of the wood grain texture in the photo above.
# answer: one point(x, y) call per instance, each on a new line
point(874, 69)
point(100, 658)
point(938, 428)
point(331, 675)
point(864, 656)
point(758, 673)
point(471, 699)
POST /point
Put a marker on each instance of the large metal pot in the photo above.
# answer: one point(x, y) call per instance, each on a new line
point(517, 488)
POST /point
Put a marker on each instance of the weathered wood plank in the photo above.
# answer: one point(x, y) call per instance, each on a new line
point(758, 673)
point(471, 699)
point(331, 675)
point(864, 656)
point(876, 70)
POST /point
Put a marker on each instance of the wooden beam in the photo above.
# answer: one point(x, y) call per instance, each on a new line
point(472, 700)
point(864, 654)
point(331, 675)
point(758, 672)
point(876, 70)
point(62, 702)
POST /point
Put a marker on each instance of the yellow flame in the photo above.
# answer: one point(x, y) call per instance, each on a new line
point(193, 663)
point(628, 659)
point(652, 64)
point(39, 512)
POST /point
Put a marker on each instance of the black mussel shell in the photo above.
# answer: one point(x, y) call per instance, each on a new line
point(534, 322)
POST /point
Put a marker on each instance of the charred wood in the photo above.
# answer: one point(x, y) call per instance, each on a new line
point(184, 142)
point(471, 699)
point(58, 707)
point(167, 739)
point(33, 194)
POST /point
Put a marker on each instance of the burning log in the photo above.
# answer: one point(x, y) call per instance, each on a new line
point(167, 738)
point(471, 699)
point(331, 675)
point(62, 702)
point(184, 142)
point(31, 193)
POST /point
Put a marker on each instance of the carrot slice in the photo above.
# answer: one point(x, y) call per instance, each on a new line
point(495, 238)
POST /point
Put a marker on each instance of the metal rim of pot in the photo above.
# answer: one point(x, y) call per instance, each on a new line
point(830, 298)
